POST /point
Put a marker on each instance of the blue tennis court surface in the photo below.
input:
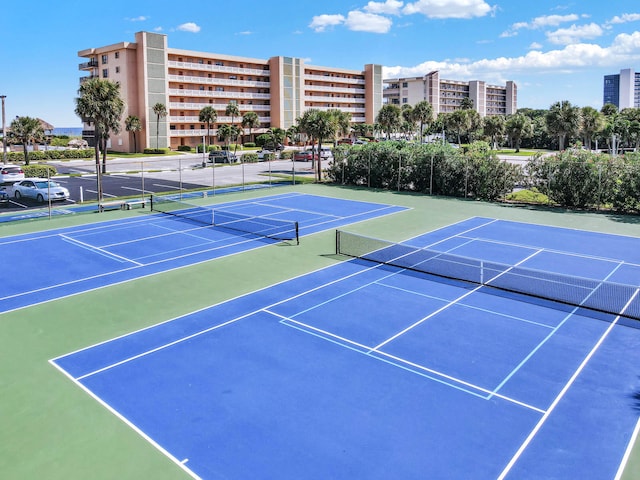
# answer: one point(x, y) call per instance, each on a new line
point(365, 370)
point(92, 256)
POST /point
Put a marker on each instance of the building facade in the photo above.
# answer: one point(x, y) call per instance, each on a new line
point(445, 96)
point(622, 89)
point(278, 89)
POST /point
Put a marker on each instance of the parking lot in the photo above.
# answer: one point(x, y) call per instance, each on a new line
point(139, 178)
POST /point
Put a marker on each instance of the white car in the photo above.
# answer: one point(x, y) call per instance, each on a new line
point(325, 152)
point(40, 189)
point(10, 173)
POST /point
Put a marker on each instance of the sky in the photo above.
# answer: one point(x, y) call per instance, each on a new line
point(553, 50)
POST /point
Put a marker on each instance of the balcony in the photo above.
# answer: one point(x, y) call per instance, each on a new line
point(93, 63)
point(218, 106)
point(84, 79)
point(334, 79)
point(216, 68)
point(323, 88)
point(218, 81)
point(218, 94)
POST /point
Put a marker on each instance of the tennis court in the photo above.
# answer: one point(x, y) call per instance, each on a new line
point(377, 369)
point(63, 262)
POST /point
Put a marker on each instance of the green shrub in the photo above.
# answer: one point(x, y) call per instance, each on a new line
point(185, 148)
point(38, 170)
point(214, 148)
point(286, 155)
point(250, 157)
point(156, 151)
point(249, 145)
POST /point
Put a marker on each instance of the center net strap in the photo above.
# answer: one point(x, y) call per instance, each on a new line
point(609, 297)
point(257, 225)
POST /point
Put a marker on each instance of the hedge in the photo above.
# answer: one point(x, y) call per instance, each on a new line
point(41, 171)
point(39, 155)
point(250, 157)
point(156, 151)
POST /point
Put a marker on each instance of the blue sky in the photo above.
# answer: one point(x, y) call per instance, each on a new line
point(553, 51)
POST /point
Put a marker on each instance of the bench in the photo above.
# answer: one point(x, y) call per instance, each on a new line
point(114, 205)
point(131, 203)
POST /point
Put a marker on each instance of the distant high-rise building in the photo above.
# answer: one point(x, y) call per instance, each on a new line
point(445, 96)
point(622, 89)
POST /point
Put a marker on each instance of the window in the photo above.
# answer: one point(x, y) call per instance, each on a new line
point(405, 100)
point(105, 59)
point(405, 84)
point(219, 89)
point(117, 69)
point(117, 55)
point(105, 73)
point(220, 64)
point(233, 77)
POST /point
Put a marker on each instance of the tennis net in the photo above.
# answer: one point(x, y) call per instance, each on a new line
point(257, 225)
point(603, 296)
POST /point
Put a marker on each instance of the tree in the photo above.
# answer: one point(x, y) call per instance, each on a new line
point(389, 119)
point(459, 122)
point(160, 110)
point(341, 122)
point(466, 104)
point(292, 133)
point(422, 114)
point(133, 125)
point(250, 120)
point(25, 130)
point(209, 116)
point(233, 111)
point(99, 103)
point(494, 127)
point(563, 120)
point(319, 125)
point(517, 126)
point(591, 124)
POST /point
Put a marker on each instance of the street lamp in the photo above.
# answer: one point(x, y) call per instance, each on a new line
point(4, 133)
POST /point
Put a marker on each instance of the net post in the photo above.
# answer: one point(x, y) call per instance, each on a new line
point(297, 234)
point(337, 242)
point(151, 201)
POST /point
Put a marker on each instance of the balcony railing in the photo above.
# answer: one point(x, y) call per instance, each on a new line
point(217, 93)
point(93, 63)
point(218, 106)
point(216, 68)
point(218, 81)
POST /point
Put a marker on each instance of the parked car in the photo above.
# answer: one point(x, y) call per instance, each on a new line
point(10, 174)
point(266, 153)
point(303, 156)
point(4, 195)
point(40, 189)
point(222, 156)
point(325, 153)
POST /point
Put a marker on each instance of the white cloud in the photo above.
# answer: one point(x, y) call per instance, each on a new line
point(246, 32)
point(367, 22)
point(624, 50)
point(449, 8)
point(141, 18)
point(624, 18)
point(189, 27)
point(550, 21)
point(389, 7)
point(574, 34)
point(157, 29)
point(321, 22)
point(535, 46)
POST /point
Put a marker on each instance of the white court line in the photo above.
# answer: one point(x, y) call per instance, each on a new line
point(561, 395)
point(367, 350)
point(126, 421)
point(451, 303)
point(98, 250)
point(628, 451)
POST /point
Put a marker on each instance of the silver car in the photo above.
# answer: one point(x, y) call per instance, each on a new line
point(10, 173)
point(40, 189)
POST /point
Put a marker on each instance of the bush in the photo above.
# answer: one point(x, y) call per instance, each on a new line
point(42, 171)
point(18, 157)
point(155, 151)
point(250, 157)
point(249, 145)
point(286, 155)
point(185, 148)
point(214, 148)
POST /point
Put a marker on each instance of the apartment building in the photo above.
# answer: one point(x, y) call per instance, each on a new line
point(279, 89)
point(445, 96)
point(622, 89)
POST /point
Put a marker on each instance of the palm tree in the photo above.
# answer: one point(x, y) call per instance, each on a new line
point(466, 104)
point(592, 123)
point(518, 126)
point(227, 132)
point(389, 118)
point(233, 111)
point(494, 127)
point(341, 121)
point(208, 115)
point(99, 103)
point(250, 120)
point(563, 120)
point(160, 110)
point(318, 125)
point(292, 133)
point(25, 130)
point(459, 122)
point(133, 124)
point(422, 113)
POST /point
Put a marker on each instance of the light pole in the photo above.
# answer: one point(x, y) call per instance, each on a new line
point(4, 133)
